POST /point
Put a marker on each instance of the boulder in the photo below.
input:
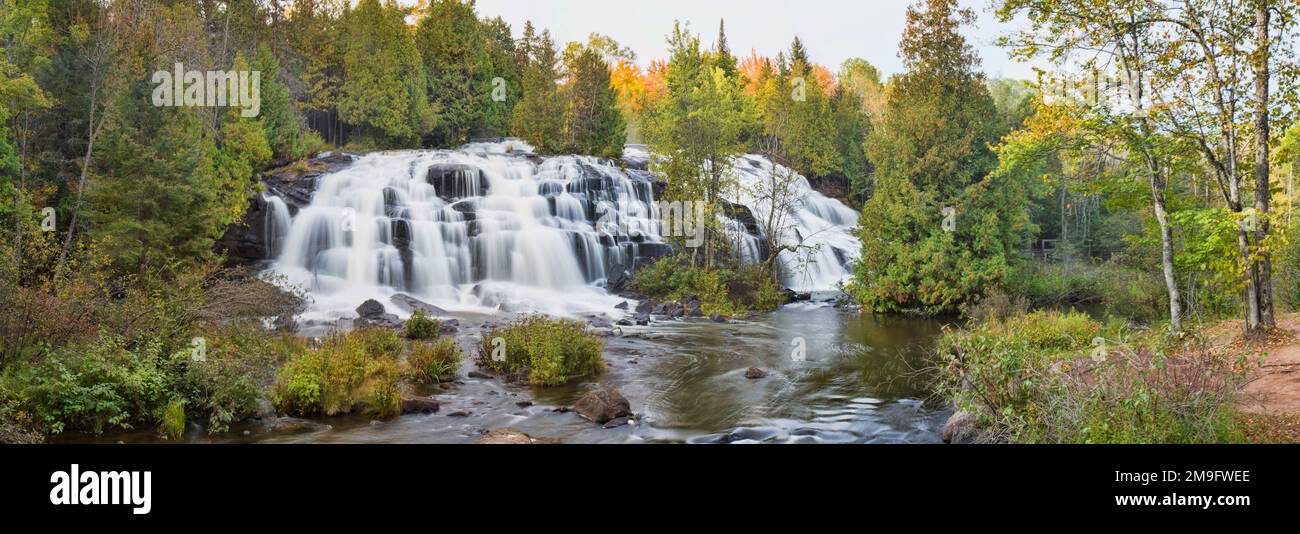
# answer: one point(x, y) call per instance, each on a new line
point(505, 436)
point(754, 372)
point(413, 304)
point(371, 309)
point(603, 405)
point(644, 306)
point(413, 404)
point(692, 306)
point(621, 305)
point(960, 428)
point(717, 318)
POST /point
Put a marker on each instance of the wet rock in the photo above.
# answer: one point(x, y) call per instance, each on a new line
point(370, 309)
point(603, 405)
point(458, 413)
point(625, 322)
point(642, 319)
point(524, 404)
point(960, 429)
point(717, 318)
point(448, 326)
point(616, 422)
point(479, 374)
point(413, 404)
point(293, 425)
point(621, 305)
point(413, 304)
point(754, 372)
point(597, 322)
point(505, 436)
point(644, 306)
point(671, 310)
point(692, 306)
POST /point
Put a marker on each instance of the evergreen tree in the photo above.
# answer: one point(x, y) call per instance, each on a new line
point(279, 120)
point(592, 123)
point(722, 57)
point(934, 231)
point(383, 82)
point(452, 48)
point(539, 116)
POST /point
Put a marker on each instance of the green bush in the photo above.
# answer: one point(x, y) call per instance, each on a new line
point(1040, 378)
point(548, 352)
point(237, 370)
point(1286, 268)
point(421, 326)
point(173, 420)
point(358, 368)
point(433, 362)
point(726, 291)
point(102, 386)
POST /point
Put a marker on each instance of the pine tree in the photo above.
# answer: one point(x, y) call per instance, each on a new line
point(279, 120)
point(722, 57)
point(539, 116)
point(592, 124)
point(383, 82)
point(452, 48)
point(933, 232)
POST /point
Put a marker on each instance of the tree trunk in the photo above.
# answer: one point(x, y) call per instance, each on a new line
point(1263, 263)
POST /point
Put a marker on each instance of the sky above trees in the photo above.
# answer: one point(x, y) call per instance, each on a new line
point(833, 30)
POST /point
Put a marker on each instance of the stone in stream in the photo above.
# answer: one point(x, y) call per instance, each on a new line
point(621, 305)
point(960, 428)
point(754, 372)
point(603, 405)
point(413, 404)
point(510, 436)
point(717, 318)
point(373, 314)
point(413, 304)
point(644, 306)
point(692, 306)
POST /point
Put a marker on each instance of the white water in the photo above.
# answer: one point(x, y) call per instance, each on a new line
point(500, 229)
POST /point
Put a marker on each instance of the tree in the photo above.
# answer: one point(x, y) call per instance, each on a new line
point(452, 48)
point(722, 57)
point(539, 116)
point(934, 230)
point(592, 122)
point(279, 120)
point(383, 91)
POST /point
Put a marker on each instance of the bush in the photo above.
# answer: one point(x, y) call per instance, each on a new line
point(548, 352)
point(173, 420)
point(102, 386)
point(433, 362)
point(421, 326)
point(358, 368)
point(726, 291)
point(237, 370)
point(1040, 378)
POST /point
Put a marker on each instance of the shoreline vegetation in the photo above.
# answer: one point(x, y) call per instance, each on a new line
point(1124, 270)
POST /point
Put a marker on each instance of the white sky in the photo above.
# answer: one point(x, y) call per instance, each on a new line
point(832, 30)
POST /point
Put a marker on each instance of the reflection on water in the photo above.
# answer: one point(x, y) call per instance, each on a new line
point(856, 381)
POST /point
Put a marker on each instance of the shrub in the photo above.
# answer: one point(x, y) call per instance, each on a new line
point(433, 362)
point(236, 371)
point(549, 352)
point(726, 291)
point(345, 371)
point(1038, 378)
point(421, 326)
point(173, 420)
point(102, 386)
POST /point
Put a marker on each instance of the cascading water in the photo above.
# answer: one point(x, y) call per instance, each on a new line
point(819, 227)
point(487, 226)
point(491, 226)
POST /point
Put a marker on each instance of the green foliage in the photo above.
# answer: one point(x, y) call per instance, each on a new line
point(280, 123)
point(383, 90)
point(725, 291)
point(173, 420)
point(1287, 268)
point(1042, 378)
point(421, 326)
point(358, 368)
point(433, 362)
point(931, 152)
point(539, 117)
point(462, 56)
point(547, 352)
point(592, 122)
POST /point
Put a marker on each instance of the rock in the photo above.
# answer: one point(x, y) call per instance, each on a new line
point(413, 304)
point(458, 413)
point(413, 404)
point(524, 403)
point(960, 428)
point(717, 318)
point(616, 422)
point(692, 306)
point(479, 374)
point(754, 372)
point(671, 310)
point(625, 322)
point(621, 305)
point(505, 436)
point(642, 319)
point(597, 322)
point(370, 309)
point(448, 326)
point(603, 405)
point(644, 306)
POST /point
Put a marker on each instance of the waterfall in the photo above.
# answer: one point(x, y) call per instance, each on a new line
point(487, 226)
point(821, 227)
point(492, 226)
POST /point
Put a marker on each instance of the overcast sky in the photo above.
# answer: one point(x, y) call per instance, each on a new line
point(832, 30)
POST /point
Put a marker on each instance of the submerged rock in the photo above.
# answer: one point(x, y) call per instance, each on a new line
point(603, 405)
point(717, 318)
point(754, 372)
point(510, 436)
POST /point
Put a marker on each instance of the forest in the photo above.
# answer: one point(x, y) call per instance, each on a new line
point(1102, 254)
